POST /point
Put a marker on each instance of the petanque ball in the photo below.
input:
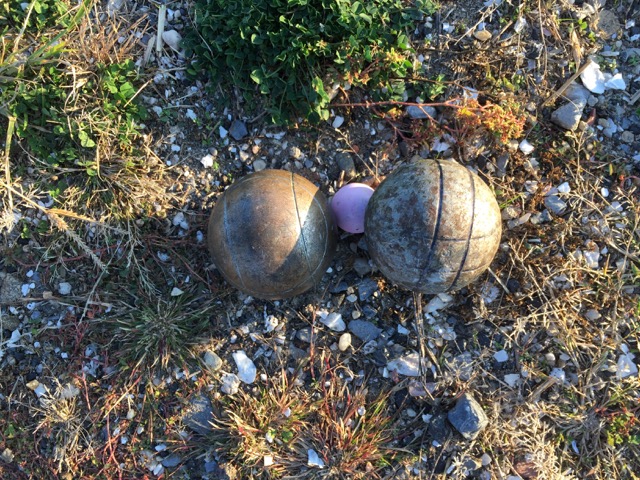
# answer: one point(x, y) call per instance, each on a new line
point(432, 226)
point(271, 234)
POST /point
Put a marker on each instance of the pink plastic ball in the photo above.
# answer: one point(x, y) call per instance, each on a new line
point(349, 206)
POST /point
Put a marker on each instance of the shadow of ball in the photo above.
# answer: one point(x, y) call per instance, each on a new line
point(433, 226)
point(271, 234)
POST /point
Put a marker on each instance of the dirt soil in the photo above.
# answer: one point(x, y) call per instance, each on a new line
point(543, 342)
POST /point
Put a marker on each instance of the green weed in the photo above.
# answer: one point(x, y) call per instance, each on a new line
point(291, 52)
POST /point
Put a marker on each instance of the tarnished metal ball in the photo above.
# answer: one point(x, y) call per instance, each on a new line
point(271, 234)
point(433, 226)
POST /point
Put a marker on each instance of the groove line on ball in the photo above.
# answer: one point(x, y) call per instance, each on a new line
point(435, 238)
point(225, 223)
point(300, 225)
point(468, 245)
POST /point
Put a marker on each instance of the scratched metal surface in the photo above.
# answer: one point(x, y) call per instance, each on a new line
point(271, 234)
point(433, 226)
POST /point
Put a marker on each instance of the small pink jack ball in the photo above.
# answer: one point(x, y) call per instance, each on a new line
point(349, 206)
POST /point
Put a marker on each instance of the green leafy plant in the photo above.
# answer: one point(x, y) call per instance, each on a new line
point(292, 52)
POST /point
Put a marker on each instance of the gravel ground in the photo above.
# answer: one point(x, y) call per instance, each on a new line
point(508, 378)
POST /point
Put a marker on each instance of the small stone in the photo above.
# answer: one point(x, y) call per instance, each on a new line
point(345, 342)
point(592, 315)
point(409, 365)
point(259, 165)
point(345, 162)
point(364, 330)
point(482, 35)
point(173, 39)
point(362, 266)
point(616, 82)
point(627, 137)
point(468, 417)
point(238, 130)
point(526, 147)
point(501, 356)
point(176, 292)
point(198, 414)
point(626, 367)
point(304, 334)
point(334, 321)
point(230, 383)
point(485, 459)
point(64, 288)
point(246, 368)
point(313, 459)
point(559, 374)
point(593, 78)
point(337, 122)
point(171, 461)
point(212, 360)
point(207, 161)
point(366, 288)
point(421, 112)
point(568, 116)
point(512, 379)
point(555, 204)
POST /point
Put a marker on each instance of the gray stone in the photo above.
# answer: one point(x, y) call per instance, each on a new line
point(171, 461)
point(345, 162)
point(198, 415)
point(555, 204)
point(10, 288)
point(423, 111)
point(462, 366)
point(482, 35)
point(468, 417)
point(577, 93)
point(304, 334)
point(366, 288)
point(568, 115)
point(362, 266)
point(238, 130)
point(212, 360)
point(365, 331)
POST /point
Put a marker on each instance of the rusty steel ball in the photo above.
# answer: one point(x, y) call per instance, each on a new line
point(271, 234)
point(433, 226)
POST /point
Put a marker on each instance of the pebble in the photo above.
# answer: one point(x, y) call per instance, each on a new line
point(212, 360)
point(207, 161)
point(627, 137)
point(198, 414)
point(334, 321)
point(346, 164)
point(345, 342)
point(364, 330)
point(462, 366)
point(173, 39)
point(501, 356)
point(313, 460)
point(568, 116)
point(485, 459)
point(526, 147)
point(362, 266)
point(592, 78)
point(304, 334)
point(626, 367)
point(246, 368)
point(337, 122)
point(421, 112)
point(555, 204)
point(64, 288)
point(366, 288)
point(468, 417)
point(592, 315)
point(171, 461)
point(408, 365)
point(438, 303)
point(482, 35)
point(512, 379)
point(259, 165)
point(230, 383)
point(238, 130)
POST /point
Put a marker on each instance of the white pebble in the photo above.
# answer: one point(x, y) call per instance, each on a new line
point(176, 292)
point(246, 368)
point(207, 161)
point(345, 342)
point(64, 288)
point(337, 122)
point(314, 460)
point(334, 321)
point(172, 38)
point(526, 147)
point(512, 379)
point(501, 356)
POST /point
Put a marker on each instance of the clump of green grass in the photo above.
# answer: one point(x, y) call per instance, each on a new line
point(158, 333)
point(291, 52)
